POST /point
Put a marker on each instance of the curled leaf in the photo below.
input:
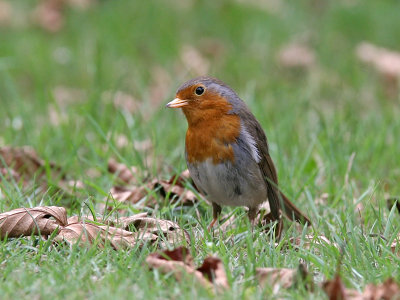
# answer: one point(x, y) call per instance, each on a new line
point(336, 290)
point(180, 263)
point(296, 56)
point(88, 233)
point(165, 230)
point(387, 290)
point(27, 221)
point(282, 278)
point(385, 62)
point(173, 189)
point(128, 194)
point(124, 173)
point(23, 160)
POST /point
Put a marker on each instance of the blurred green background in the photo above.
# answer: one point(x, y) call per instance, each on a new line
point(82, 81)
point(76, 75)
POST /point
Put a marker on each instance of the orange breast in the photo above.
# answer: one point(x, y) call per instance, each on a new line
point(211, 137)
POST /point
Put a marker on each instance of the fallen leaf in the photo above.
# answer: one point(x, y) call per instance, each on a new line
point(25, 165)
point(9, 174)
point(124, 173)
point(180, 263)
point(5, 13)
point(23, 160)
point(27, 221)
point(49, 15)
point(395, 246)
point(129, 195)
point(336, 290)
point(277, 278)
point(213, 269)
point(322, 199)
point(79, 219)
point(388, 290)
point(165, 230)
point(175, 192)
point(88, 233)
point(296, 56)
point(173, 188)
point(385, 62)
point(122, 101)
point(65, 95)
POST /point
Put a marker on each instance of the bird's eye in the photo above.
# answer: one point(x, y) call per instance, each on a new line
point(199, 90)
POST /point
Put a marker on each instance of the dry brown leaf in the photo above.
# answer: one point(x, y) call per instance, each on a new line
point(385, 62)
point(180, 263)
point(24, 164)
point(9, 174)
point(322, 199)
point(388, 290)
point(176, 192)
point(213, 269)
point(126, 174)
point(5, 13)
point(56, 117)
point(23, 160)
point(296, 56)
point(173, 188)
point(78, 219)
point(164, 229)
point(395, 246)
point(64, 95)
point(276, 278)
point(161, 231)
point(27, 221)
point(88, 233)
point(336, 290)
point(283, 278)
point(122, 101)
point(49, 15)
point(130, 195)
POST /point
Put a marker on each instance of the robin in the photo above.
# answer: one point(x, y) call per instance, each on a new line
point(227, 151)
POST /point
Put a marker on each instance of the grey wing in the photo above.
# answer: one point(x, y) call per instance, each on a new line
point(266, 165)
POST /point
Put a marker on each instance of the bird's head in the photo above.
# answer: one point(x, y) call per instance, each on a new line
point(203, 98)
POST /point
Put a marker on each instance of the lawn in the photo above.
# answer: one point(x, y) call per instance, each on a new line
point(96, 87)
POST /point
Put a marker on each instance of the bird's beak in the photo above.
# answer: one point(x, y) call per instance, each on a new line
point(177, 103)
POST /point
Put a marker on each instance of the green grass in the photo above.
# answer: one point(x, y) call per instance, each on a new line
point(315, 121)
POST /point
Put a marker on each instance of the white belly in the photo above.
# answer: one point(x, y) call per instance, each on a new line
point(229, 184)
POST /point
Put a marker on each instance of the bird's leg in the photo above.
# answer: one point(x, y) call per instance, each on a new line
point(252, 214)
point(216, 212)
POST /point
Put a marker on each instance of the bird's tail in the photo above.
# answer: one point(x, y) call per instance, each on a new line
point(292, 212)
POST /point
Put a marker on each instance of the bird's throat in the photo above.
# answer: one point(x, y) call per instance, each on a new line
point(211, 137)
